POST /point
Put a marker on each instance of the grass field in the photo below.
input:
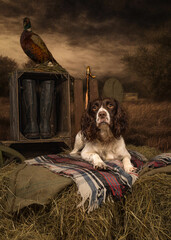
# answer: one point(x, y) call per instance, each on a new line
point(149, 123)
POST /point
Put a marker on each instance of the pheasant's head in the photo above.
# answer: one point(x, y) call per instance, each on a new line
point(26, 23)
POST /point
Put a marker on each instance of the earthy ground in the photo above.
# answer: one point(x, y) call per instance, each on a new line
point(149, 123)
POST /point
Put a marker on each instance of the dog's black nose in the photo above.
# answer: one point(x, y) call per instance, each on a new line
point(102, 114)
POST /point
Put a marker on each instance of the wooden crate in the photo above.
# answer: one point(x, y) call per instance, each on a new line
point(67, 107)
point(61, 114)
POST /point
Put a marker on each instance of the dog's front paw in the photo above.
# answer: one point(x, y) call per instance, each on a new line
point(75, 154)
point(129, 168)
point(74, 151)
point(100, 165)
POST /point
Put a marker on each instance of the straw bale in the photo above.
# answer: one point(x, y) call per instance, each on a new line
point(61, 219)
point(147, 209)
point(142, 214)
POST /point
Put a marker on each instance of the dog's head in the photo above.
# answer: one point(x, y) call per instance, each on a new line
point(103, 112)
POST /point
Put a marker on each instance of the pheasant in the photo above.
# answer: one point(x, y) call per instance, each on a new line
point(33, 46)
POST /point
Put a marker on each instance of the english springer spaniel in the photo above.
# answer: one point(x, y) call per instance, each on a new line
point(100, 138)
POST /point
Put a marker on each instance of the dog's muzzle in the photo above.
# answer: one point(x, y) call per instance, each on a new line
point(103, 117)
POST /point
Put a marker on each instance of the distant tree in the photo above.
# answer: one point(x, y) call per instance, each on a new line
point(7, 66)
point(152, 64)
point(28, 64)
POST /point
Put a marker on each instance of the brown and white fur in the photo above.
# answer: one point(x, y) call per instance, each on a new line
point(100, 137)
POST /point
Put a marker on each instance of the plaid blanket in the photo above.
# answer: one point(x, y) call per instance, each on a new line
point(94, 185)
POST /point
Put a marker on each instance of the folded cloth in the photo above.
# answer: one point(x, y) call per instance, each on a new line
point(158, 164)
point(29, 184)
point(94, 185)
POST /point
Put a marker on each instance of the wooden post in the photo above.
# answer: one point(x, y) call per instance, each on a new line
point(78, 103)
point(91, 87)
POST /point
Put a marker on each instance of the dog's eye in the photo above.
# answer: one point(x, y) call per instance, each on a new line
point(110, 105)
point(94, 108)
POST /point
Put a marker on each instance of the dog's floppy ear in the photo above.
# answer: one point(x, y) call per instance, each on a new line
point(120, 121)
point(88, 125)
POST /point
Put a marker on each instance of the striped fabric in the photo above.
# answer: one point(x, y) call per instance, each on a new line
point(162, 160)
point(93, 185)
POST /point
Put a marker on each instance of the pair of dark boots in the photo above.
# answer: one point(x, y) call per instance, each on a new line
point(32, 130)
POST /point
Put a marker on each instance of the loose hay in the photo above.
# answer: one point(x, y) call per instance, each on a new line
point(142, 214)
point(148, 152)
point(43, 67)
point(148, 209)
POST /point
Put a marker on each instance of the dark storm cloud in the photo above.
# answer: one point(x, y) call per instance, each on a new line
point(90, 19)
point(96, 18)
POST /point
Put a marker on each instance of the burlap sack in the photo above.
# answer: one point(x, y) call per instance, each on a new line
point(33, 185)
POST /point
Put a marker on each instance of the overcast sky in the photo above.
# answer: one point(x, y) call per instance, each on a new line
point(83, 32)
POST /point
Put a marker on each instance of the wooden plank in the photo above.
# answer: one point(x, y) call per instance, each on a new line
point(78, 104)
point(14, 108)
point(94, 92)
point(69, 109)
point(60, 139)
point(63, 108)
point(72, 112)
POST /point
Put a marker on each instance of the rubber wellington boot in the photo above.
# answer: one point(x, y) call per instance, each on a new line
point(30, 104)
point(46, 99)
